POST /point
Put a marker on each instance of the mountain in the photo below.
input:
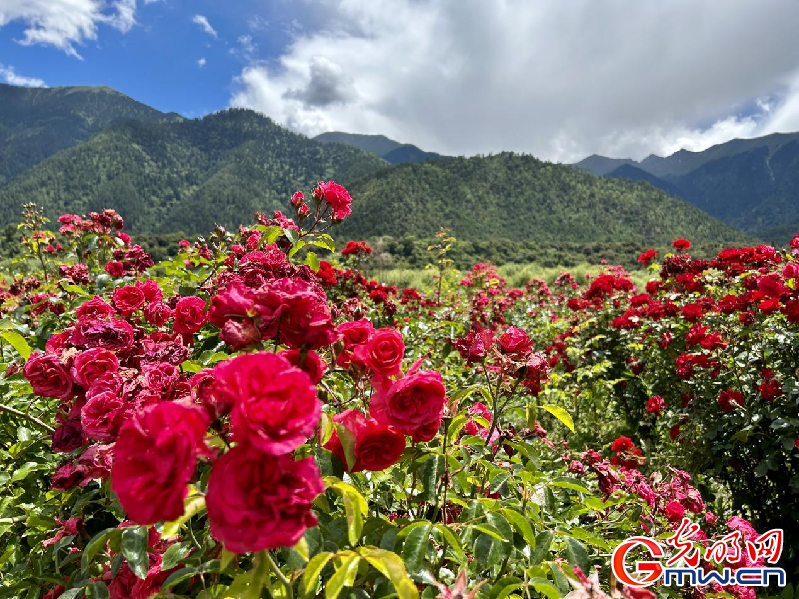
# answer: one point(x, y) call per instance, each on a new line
point(184, 175)
point(752, 184)
point(518, 197)
point(389, 150)
point(38, 122)
point(633, 173)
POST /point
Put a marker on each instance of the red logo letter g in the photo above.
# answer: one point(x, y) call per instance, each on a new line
point(653, 570)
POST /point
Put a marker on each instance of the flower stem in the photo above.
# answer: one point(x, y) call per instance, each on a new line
point(28, 417)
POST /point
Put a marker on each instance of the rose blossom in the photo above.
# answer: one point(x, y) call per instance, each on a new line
point(47, 376)
point(412, 402)
point(91, 364)
point(275, 407)
point(377, 446)
point(515, 342)
point(189, 315)
point(308, 362)
point(128, 299)
point(102, 416)
point(257, 501)
point(154, 459)
point(383, 352)
point(338, 198)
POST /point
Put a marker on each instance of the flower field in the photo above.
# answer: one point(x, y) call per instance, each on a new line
point(255, 417)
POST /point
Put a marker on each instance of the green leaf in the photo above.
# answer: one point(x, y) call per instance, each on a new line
point(174, 555)
point(452, 540)
point(577, 554)
point(347, 438)
point(292, 236)
point(97, 590)
point(74, 289)
point(193, 504)
point(310, 578)
point(432, 470)
point(542, 543)
point(134, 548)
point(71, 593)
point(569, 483)
point(390, 565)
point(343, 576)
point(355, 507)
point(18, 342)
point(415, 547)
point(312, 261)
point(94, 545)
point(498, 521)
point(561, 415)
point(546, 588)
point(521, 524)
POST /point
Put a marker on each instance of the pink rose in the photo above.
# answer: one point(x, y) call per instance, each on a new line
point(257, 501)
point(154, 460)
point(203, 393)
point(413, 402)
point(338, 198)
point(674, 511)
point(275, 407)
point(69, 436)
point(157, 313)
point(91, 364)
point(47, 376)
point(189, 315)
point(383, 352)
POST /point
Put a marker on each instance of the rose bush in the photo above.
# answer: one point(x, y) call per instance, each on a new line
point(248, 420)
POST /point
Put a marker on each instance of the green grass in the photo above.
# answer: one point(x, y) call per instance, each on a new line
point(517, 275)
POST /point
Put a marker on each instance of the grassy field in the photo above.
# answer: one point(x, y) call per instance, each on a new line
point(517, 275)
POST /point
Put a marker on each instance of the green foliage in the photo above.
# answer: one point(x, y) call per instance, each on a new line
point(520, 198)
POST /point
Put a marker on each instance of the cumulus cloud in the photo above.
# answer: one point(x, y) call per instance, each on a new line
point(9, 75)
point(204, 25)
point(66, 23)
point(201, 62)
point(559, 80)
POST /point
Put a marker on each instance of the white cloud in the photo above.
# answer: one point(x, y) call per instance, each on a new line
point(201, 63)
point(9, 75)
point(66, 23)
point(204, 25)
point(559, 80)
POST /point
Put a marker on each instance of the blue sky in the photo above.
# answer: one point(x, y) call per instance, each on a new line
point(156, 61)
point(560, 80)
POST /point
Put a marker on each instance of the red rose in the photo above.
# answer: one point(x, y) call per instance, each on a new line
point(791, 311)
point(257, 501)
point(115, 269)
point(47, 376)
point(647, 257)
point(475, 346)
point(152, 292)
point(383, 352)
point(515, 342)
point(154, 459)
point(189, 315)
point(203, 393)
point(94, 308)
point(681, 244)
point(239, 334)
point(275, 407)
point(353, 334)
point(377, 446)
point(622, 444)
point(91, 364)
point(157, 313)
point(308, 362)
point(674, 511)
point(414, 401)
point(655, 405)
point(729, 400)
point(128, 299)
point(114, 334)
point(69, 436)
point(335, 195)
point(102, 416)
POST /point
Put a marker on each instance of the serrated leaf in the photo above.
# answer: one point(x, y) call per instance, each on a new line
point(542, 543)
point(174, 555)
point(577, 554)
point(391, 566)
point(310, 578)
point(193, 504)
point(415, 547)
